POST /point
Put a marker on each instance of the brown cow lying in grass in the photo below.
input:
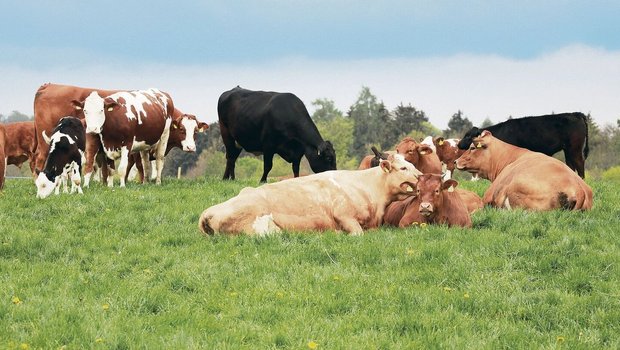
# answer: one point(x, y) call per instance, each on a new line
point(436, 202)
point(420, 155)
point(346, 200)
point(524, 179)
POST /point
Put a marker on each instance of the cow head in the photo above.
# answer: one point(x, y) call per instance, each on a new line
point(324, 159)
point(468, 138)
point(412, 151)
point(184, 130)
point(94, 108)
point(447, 151)
point(45, 185)
point(477, 158)
point(429, 191)
point(400, 176)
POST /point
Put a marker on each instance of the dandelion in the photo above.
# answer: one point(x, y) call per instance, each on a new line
point(99, 340)
point(24, 346)
point(233, 294)
point(423, 224)
point(415, 223)
point(410, 251)
point(466, 295)
point(447, 289)
point(312, 345)
point(16, 300)
point(560, 339)
point(280, 294)
point(105, 307)
point(336, 278)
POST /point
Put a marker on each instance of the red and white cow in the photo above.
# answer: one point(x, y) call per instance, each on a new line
point(129, 121)
point(524, 179)
point(18, 145)
point(347, 200)
point(420, 155)
point(447, 150)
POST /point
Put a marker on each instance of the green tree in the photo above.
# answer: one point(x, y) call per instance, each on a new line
point(458, 125)
point(408, 118)
point(366, 115)
point(325, 110)
point(486, 123)
point(339, 130)
point(15, 116)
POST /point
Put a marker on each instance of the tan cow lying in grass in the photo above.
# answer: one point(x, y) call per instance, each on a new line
point(522, 178)
point(347, 200)
point(435, 202)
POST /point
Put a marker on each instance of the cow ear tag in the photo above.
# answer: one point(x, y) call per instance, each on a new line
point(175, 126)
point(78, 108)
point(110, 109)
point(479, 145)
point(441, 143)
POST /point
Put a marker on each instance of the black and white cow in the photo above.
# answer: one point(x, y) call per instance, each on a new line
point(67, 145)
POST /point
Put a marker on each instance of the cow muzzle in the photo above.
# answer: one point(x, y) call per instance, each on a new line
point(426, 208)
point(93, 130)
point(190, 149)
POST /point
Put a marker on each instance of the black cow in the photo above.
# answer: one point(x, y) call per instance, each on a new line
point(67, 145)
point(271, 123)
point(546, 134)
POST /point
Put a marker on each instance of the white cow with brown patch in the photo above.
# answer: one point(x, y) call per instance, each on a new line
point(343, 200)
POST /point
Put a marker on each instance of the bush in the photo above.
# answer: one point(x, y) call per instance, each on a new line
point(612, 174)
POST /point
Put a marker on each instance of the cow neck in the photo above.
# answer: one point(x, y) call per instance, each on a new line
point(502, 155)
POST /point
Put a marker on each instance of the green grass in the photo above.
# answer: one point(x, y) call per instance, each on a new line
point(126, 269)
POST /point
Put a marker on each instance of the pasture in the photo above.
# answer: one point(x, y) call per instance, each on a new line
point(128, 268)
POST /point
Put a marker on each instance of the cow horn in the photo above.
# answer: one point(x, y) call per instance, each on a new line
point(46, 138)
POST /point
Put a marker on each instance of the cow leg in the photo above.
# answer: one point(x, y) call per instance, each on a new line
point(3, 163)
point(130, 163)
point(122, 166)
point(41, 152)
point(267, 165)
point(232, 153)
point(160, 152)
point(145, 164)
point(296, 163)
point(153, 167)
point(76, 180)
point(575, 161)
point(93, 145)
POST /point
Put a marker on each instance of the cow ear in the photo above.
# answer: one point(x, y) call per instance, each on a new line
point(110, 106)
point(449, 185)
point(385, 165)
point(485, 133)
point(202, 126)
point(77, 105)
point(425, 149)
point(439, 141)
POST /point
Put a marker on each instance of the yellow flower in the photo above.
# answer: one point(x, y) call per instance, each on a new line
point(466, 295)
point(105, 307)
point(16, 300)
point(415, 223)
point(423, 224)
point(410, 251)
point(24, 346)
point(280, 294)
point(99, 340)
point(233, 294)
point(447, 289)
point(336, 278)
point(312, 345)
point(560, 339)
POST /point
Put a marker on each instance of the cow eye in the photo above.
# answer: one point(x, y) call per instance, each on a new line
point(436, 191)
point(403, 168)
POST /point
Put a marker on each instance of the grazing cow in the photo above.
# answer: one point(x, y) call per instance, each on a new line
point(347, 200)
point(447, 151)
point(182, 135)
point(271, 123)
point(521, 178)
point(435, 202)
point(51, 102)
point(373, 160)
point(130, 121)
point(420, 155)
point(546, 134)
point(19, 144)
point(67, 145)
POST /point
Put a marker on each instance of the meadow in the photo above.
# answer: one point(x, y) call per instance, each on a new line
point(128, 268)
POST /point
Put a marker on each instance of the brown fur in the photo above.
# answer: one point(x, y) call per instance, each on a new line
point(2, 155)
point(446, 152)
point(420, 155)
point(524, 179)
point(19, 144)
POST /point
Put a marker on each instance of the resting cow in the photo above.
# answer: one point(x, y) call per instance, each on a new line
point(373, 160)
point(435, 202)
point(420, 155)
point(130, 121)
point(546, 134)
point(447, 151)
point(270, 123)
point(67, 147)
point(524, 179)
point(346, 200)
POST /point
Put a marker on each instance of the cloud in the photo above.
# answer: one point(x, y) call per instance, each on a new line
point(574, 78)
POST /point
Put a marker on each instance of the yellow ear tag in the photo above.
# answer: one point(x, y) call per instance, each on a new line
point(110, 109)
point(451, 189)
point(441, 143)
point(423, 152)
point(175, 126)
point(78, 108)
point(479, 145)
point(386, 170)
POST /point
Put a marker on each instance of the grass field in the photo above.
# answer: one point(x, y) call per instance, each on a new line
point(128, 268)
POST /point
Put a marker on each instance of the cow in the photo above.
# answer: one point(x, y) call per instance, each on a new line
point(64, 159)
point(435, 202)
point(19, 144)
point(422, 156)
point(270, 123)
point(447, 151)
point(129, 121)
point(546, 134)
point(182, 135)
point(51, 102)
point(343, 200)
point(370, 161)
point(521, 178)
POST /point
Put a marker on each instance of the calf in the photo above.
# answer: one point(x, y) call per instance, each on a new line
point(347, 200)
point(521, 178)
point(20, 143)
point(420, 155)
point(436, 202)
point(546, 134)
point(64, 159)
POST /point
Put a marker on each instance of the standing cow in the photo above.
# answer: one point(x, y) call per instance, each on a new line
point(130, 121)
point(67, 145)
point(271, 123)
point(546, 134)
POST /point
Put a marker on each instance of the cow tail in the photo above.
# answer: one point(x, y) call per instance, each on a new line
point(586, 148)
point(204, 226)
point(565, 202)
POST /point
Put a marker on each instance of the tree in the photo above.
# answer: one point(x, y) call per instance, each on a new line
point(15, 116)
point(366, 114)
point(407, 119)
point(325, 110)
point(457, 125)
point(486, 123)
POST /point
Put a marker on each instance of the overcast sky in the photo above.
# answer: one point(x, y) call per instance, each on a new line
point(490, 59)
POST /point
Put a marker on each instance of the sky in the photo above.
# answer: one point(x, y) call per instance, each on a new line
point(489, 59)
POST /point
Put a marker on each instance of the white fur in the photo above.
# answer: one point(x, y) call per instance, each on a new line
point(428, 140)
point(264, 225)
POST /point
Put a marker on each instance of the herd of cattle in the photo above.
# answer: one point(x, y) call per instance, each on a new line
point(77, 128)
